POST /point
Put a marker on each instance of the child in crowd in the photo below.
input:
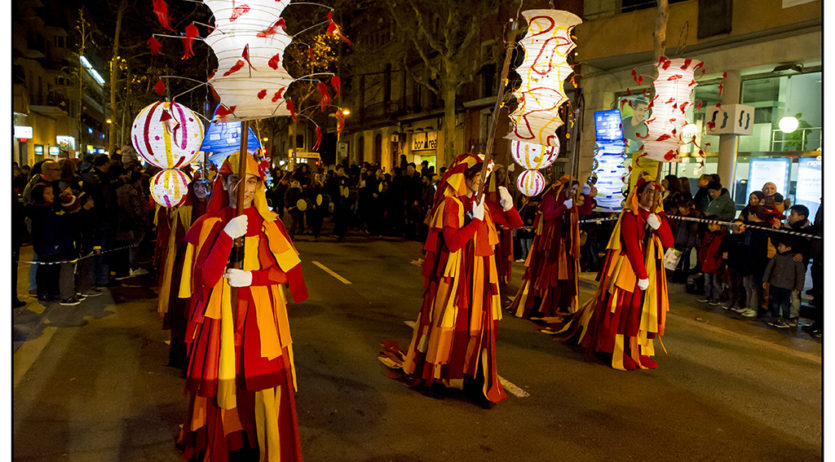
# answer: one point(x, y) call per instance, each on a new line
point(733, 252)
point(686, 234)
point(710, 259)
point(782, 276)
point(53, 244)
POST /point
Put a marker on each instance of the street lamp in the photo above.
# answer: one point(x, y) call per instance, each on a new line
point(346, 112)
point(789, 124)
point(108, 121)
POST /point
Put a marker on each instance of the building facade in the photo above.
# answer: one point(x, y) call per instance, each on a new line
point(765, 54)
point(45, 72)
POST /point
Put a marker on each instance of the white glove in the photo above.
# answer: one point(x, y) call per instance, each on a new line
point(478, 209)
point(653, 221)
point(643, 284)
point(238, 278)
point(236, 227)
point(586, 189)
point(569, 203)
point(505, 199)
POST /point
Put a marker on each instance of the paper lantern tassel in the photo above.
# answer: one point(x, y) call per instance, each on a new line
point(161, 10)
point(155, 45)
point(325, 100)
point(188, 40)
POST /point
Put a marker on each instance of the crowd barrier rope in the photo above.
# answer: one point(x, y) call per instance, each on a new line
point(719, 222)
point(76, 260)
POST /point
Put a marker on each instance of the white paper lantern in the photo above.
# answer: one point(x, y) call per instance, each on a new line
point(169, 187)
point(547, 44)
point(167, 135)
point(530, 183)
point(249, 43)
point(673, 86)
point(533, 156)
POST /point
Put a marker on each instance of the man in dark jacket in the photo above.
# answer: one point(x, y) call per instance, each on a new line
point(797, 221)
point(338, 189)
point(721, 206)
point(97, 184)
point(816, 253)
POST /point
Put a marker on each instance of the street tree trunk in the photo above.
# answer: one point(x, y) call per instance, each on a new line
point(115, 63)
point(661, 17)
point(448, 153)
point(81, 27)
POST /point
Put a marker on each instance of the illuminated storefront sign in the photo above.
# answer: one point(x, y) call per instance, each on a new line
point(66, 142)
point(809, 190)
point(424, 141)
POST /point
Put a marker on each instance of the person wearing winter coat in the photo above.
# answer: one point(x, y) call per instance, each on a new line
point(686, 234)
point(721, 207)
point(782, 276)
point(710, 260)
point(53, 245)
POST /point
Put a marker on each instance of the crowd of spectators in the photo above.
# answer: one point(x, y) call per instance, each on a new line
point(75, 213)
point(356, 196)
point(75, 208)
point(740, 265)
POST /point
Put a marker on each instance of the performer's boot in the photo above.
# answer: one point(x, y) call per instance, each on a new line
point(648, 362)
point(628, 363)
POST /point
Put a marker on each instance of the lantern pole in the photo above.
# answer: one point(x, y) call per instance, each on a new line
point(488, 152)
point(574, 171)
point(242, 158)
point(237, 258)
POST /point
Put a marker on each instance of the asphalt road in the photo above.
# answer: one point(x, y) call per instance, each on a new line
point(90, 382)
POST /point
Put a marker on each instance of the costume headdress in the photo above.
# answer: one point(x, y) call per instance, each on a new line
point(453, 183)
point(220, 197)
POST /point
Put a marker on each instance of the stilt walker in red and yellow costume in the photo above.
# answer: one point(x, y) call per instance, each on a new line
point(630, 306)
point(550, 283)
point(454, 339)
point(496, 192)
point(240, 376)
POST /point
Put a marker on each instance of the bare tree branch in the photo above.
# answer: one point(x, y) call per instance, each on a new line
point(421, 81)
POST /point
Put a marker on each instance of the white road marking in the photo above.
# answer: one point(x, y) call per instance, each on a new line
point(332, 273)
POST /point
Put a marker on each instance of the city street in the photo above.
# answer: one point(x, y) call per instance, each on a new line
point(91, 381)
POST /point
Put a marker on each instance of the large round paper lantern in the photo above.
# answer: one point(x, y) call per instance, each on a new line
point(530, 183)
point(534, 156)
point(167, 135)
point(169, 187)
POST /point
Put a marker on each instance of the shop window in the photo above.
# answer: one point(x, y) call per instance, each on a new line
point(798, 96)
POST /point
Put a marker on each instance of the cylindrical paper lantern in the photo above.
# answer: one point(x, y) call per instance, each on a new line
point(169, 187)
point(530, 183)
point(534, 156)
point(673, 86)
point(167, 135)
point(249, 41)
point(543, 72)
